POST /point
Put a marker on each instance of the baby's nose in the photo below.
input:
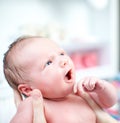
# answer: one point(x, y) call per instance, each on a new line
point(63, 62)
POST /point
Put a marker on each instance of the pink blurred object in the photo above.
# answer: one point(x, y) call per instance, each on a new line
point(90, 59)
point(85, 60)
point(77, 60)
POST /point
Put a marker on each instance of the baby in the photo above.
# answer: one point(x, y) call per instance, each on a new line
point(38, 63)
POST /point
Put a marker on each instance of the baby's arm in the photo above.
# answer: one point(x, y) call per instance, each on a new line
point(101, 91)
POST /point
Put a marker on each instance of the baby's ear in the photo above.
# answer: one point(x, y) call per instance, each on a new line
point(24, 89)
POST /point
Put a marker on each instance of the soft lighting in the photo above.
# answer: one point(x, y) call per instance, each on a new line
point(99, 4)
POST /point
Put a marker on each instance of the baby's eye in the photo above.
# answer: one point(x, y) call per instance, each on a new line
point(48, 63)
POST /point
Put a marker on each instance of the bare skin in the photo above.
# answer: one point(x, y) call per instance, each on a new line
point(33, 105)
point(39, 117)
point(49, 69)
point(102, 116)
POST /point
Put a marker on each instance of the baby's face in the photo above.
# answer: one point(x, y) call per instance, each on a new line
point(50, 68)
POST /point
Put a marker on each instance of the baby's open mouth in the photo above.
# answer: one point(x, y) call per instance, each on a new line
point(68, 75)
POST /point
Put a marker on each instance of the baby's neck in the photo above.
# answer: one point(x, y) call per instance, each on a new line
point(60, 98)
point(57, 99)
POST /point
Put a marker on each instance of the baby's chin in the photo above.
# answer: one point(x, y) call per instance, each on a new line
point(68, 90)
point(61, 96)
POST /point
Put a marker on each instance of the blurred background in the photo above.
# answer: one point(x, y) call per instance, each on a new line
point(87, 29)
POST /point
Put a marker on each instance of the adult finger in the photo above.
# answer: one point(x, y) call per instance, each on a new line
point(102, 116)
point(38, 109)
point(17, 97)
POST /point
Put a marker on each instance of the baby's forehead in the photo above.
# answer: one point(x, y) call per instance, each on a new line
point(38, 44)
point(32, 47)
point(42, 44)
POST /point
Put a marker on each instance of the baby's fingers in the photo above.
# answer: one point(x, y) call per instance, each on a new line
point(78, 88)
point(75, 88)
point(89, 84)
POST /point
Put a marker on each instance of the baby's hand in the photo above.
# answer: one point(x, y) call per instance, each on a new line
point(88, 84)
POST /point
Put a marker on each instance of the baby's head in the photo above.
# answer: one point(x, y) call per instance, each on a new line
point(39, 63)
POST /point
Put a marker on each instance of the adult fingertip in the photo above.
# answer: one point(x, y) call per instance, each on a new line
point(35, 93)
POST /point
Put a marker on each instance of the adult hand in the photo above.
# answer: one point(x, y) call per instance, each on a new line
point(30, 110)
point(38, 107)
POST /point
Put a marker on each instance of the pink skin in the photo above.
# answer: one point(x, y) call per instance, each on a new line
point(50, 69)
point(29, 110)
point(93, 86)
